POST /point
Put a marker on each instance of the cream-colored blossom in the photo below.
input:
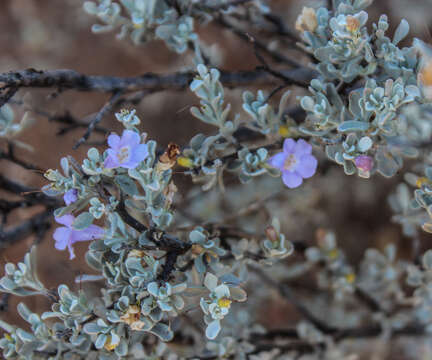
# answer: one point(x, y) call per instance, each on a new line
point(307, 20)
point(132, 318)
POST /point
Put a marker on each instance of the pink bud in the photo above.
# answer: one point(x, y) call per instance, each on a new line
point(364, 163)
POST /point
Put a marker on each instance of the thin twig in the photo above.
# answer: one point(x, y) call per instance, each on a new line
point(97, 119)
point(276, 56)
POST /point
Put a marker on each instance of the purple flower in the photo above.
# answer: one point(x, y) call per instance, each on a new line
point(126, 151)
point(295, 161)
point(70, 196)
point(66, 236)
point(364, 163)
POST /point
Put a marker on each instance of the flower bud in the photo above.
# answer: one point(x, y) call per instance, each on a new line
point(272, 234)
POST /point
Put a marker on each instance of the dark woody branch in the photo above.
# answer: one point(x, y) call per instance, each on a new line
point(73, 80)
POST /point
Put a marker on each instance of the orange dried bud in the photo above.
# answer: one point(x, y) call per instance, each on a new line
point(426, 74)
point(353, 24)
point(169, 157)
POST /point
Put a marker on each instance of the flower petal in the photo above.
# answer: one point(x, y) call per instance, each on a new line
point(302, 148)
point(210, 281)
point(90, 233)
point(66, 220)
point(289, 146)
point(139, 153)
point(307, 166)
point(291, 179)
point(71, 252)
point(277, 161)
point(113, 141)
point(70, 196)
point(62, 237)
point(221, 291)
point(111, 161)
point(130, 138)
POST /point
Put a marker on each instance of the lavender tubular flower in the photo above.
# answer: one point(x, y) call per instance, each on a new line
point(66, 236)
point(70, 196)
point(125, 151)
point(296, 162)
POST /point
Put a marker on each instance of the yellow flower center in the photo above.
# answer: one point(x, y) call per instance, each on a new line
point(333, 254)
point(290, 162)
point(8, 337)
point(350, 278)
point(123, 154)
point(108, 345)
point(224, 303)
point(284, 131)
point(422, 181)
point(137, 26)
point(185, 162)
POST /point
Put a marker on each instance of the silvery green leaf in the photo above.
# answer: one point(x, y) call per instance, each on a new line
point(93, 261)
point(213, 329)
point(365, 143)
point(93, 154)
point(197, 236)
point(349, 168)
point(25, 336)
point(199, 265)
point(92, 328)
point(428, 172)
point(122, 349)
point(238, 294)
point(82, 221)
point(127, 185)
point(353, 125)
point(210, 281)
point(401, 32)
point(427, 227)
point(100, 341)
point(24, 311)
point(427, 260)
point(162, 331)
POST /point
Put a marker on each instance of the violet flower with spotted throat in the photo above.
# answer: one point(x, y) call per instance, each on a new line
point(125, 151)
point(296, 162)
point(66, 236)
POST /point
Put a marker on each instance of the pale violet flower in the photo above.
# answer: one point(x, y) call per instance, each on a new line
point(296, 162)
point(365, 164)
point(70, 196)
point(66, 236)
point(216, 307)
point(125, 151)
